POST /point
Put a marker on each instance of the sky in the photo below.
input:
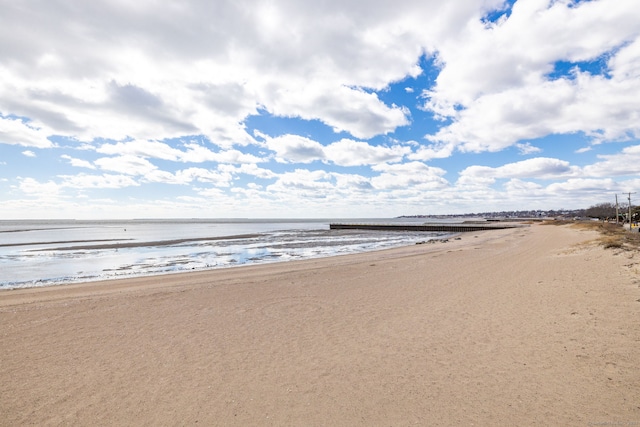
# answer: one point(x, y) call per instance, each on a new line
point(324, 109)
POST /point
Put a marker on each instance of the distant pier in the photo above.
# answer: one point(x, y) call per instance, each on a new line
point(441, 227)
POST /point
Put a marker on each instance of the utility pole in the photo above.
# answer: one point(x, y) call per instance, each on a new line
point(630, 210)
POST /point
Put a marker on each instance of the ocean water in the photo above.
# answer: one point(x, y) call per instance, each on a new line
point(44, 253)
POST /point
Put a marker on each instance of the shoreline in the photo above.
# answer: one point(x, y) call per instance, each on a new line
point(518, 326)
point(170, 279)
point(256, 248)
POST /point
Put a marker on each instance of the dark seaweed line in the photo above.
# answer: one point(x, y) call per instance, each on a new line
point(142, 244)
point(59, 242)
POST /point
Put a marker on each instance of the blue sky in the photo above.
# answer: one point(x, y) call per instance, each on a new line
point(283, 108)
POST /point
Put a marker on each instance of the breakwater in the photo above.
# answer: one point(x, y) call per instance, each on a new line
point(442, 227)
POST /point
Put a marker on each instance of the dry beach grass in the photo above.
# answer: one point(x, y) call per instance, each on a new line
point(611, 235)
point(532, 326)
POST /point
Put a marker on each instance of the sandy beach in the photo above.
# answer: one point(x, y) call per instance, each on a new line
point(530, 327)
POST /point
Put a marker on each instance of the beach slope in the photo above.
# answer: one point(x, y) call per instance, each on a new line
point(532, 326)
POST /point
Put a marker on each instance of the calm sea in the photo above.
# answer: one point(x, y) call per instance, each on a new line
point(43, 253)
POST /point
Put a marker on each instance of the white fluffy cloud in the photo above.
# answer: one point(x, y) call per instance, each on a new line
point(193, 153)
point(126, 164)
point(520, 50)
point(345, 152)
point(87, 181)
point(295, 149)
point(538, 167)
point(248, 169)
point(79, 163)
point(625, 163)
point(146, 71)
point(32, 187)
point(495, 83)
point(16, 132)
point(597, 106)
point(584, 185)
point(343, 108)
point(527, 148)
point(414, 176)
point(142, 148)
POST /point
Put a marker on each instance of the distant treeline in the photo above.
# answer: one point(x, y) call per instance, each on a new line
point(509, 214)
point(608, 210)
point(600, 211)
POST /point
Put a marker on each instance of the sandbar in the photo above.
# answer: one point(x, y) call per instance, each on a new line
point(122, 243)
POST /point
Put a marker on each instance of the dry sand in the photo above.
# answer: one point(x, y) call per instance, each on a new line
point(501, 328)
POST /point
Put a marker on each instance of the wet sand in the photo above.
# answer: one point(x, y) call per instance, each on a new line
point(530, 326)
